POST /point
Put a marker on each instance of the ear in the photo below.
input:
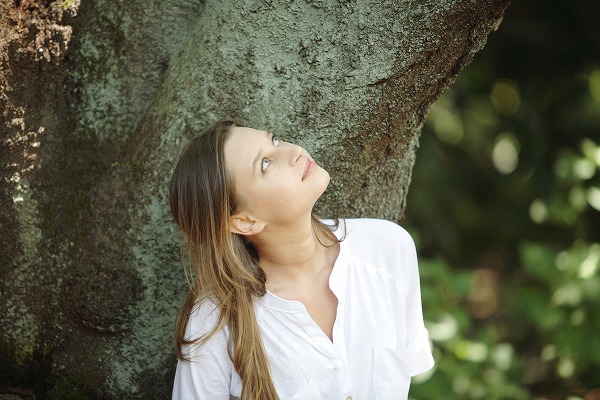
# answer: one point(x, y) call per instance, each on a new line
point(245, 225)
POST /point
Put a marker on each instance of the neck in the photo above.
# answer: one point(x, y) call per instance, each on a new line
point(291, 253)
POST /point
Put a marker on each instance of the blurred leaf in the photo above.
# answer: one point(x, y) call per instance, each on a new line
point(539, 261)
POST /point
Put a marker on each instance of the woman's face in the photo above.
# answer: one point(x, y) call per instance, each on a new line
point(275, 181)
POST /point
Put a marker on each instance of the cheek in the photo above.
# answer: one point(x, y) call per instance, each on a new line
point(276, 192)
point(264, 196)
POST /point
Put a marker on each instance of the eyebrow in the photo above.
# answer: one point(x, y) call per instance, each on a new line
point(260, 154)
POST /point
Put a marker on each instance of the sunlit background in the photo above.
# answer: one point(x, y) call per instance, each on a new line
point(505, 209)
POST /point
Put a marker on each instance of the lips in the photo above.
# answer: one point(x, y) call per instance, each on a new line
point(310, 166)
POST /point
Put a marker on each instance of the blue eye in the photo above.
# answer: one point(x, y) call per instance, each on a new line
point(265, 164)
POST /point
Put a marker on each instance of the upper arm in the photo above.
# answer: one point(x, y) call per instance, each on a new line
point(395, 242)
point(208, 374)
point(395, 251)
point(421, 357)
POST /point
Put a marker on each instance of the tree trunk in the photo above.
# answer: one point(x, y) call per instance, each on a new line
point(97, 107)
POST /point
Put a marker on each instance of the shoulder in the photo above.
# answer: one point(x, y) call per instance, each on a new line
point(381, 245)
point(377, 232)
point(203, 318)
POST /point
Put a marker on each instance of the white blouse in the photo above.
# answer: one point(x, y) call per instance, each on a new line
point(379, 339)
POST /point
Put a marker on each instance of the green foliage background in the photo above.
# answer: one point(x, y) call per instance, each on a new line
point(504, 207)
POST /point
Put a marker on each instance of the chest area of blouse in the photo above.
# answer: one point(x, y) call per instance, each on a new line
point(370, 315)
point(321, 305)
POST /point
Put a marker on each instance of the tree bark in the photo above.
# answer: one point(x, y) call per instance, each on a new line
point(94, 122)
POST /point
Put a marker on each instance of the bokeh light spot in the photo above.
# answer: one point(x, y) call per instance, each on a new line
point(444, 329)
point(471, 351)
point(567, 295)
point(505, 97)
point(577, 198)
point(506, 153)
point(562, 260)
point(538, 211)
point(502, 356)
point(593, 197)
point(591, 151)
point(483, 297)
point(549, 352)
point(584, 168)
point(565, 368)
point(594, 84)
point(589, 266)
point(577, 317)
point(448, 127)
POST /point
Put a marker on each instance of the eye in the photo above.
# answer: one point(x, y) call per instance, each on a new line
point(265, 164)
point(275, 141)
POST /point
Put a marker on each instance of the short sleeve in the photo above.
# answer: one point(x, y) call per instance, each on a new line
point(421, 359)
point(208, 374)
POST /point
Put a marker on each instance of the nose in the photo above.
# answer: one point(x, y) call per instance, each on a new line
point(295, 152)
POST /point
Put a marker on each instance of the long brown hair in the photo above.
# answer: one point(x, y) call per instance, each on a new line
point(225, 267)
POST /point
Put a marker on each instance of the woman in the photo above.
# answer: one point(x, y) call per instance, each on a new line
point(284, 306)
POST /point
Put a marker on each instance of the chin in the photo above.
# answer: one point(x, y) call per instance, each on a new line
point(324, 172)
point(325, 182)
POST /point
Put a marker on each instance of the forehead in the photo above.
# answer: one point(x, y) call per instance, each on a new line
point(241, 149)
